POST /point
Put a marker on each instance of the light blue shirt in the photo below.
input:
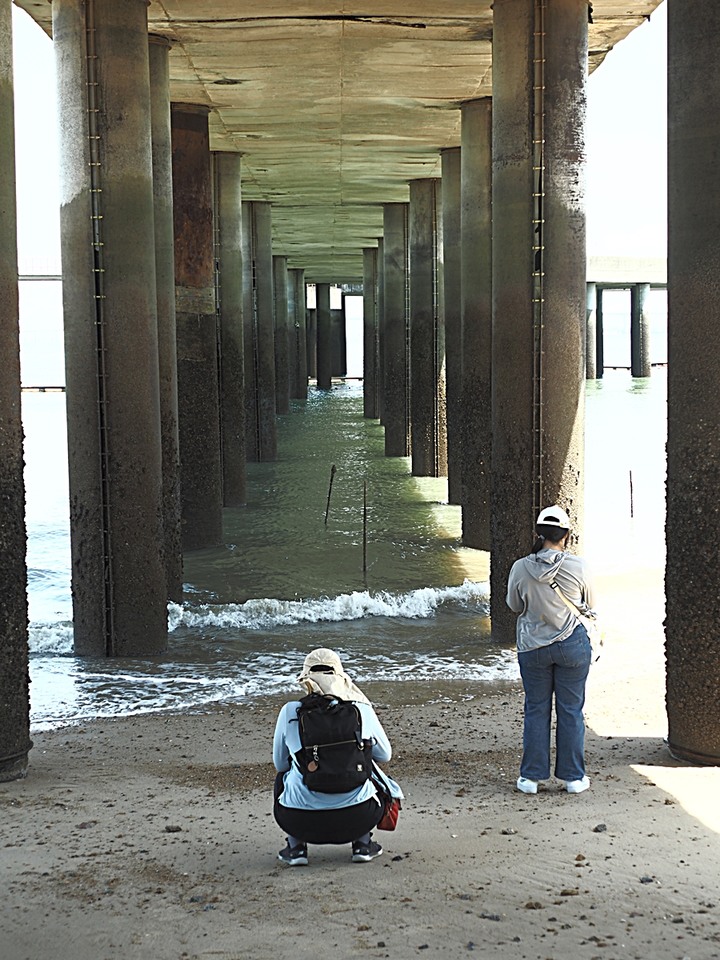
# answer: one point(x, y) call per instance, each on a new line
point(286, 743)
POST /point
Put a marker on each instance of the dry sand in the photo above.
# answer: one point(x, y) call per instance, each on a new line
point(153, 837)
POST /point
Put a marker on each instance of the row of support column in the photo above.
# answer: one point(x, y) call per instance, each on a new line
point(525, 348)
point(121, 422)
point(172, 380)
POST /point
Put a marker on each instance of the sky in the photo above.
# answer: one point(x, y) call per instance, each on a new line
point(626, 137)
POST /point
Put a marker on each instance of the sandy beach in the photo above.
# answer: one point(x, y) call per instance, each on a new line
point(153, 837)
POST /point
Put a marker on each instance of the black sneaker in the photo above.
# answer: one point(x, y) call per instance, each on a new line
point(364, 852)
point(294, 856)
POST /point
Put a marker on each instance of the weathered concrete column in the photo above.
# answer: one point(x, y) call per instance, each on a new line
point(282, 334)
point(111, 338)
point(298, 334)
point(538, 276)
point(380, 311)
point(452, 313)
point(370, 333)
point(324, 336)
point(338, 340)
point(311, 331)
point(229, 290)
point(476, 295)
point(427, 345)
point(692, 578)
point(165, 286)
point(591, 331)
point(396, 372)
point(342, 336)
point(640, 330)
point(599, 334)
point(15, 740)
point(259, 338)
point(197, 345)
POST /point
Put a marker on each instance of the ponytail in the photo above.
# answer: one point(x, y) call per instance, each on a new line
point(538, 545)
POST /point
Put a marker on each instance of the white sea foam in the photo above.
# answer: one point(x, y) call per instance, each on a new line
point(50, 639)
point(267, 613)
point(262, 614)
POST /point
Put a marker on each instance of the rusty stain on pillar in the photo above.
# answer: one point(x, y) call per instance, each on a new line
point(640, 330)
point(380, 309)
point(165, 285)
point(476, 297)
point(428, 441)
point(591, 331)
point(370, 333)
point(260, 423)
point(450, 169)
point(692, 575)
point(324, 336)
point(197, 345)
point(227, 169)
point(539, 94)
point(298, 334)
point(282, 334)
point(111, 336)
point(396, 296)
point(198, 395)
point(15, 740)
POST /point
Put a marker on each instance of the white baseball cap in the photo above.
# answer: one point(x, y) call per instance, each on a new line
point(555, 517)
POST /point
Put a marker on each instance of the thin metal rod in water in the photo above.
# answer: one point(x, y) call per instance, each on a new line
point(632, 504)
point(332, 477)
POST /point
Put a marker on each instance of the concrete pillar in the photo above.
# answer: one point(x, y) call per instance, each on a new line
point(476, 295)
point(599, 335)
point(591, 331)
point(370, 333)
point(15, 740)
point(692, 578)
point(111, 337)
point(311, 330)
point(197, 343)
point(396, 373)
point(427, 347)
point(539, 82)
point(639, 330)
point(165, 286)
point(298, 335)
point(380, 311)
point(452, 312)
point(259, 338)
point(343, 337)
point(229, 290)
point(337, 340)
point(282, 334)
point(324, 336)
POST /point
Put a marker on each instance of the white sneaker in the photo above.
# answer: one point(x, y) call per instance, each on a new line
point(527, 786)
point(577, 786)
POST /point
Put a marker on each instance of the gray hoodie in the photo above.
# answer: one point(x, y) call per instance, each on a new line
point(543, 616)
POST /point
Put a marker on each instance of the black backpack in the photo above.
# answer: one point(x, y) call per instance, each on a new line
point(334, 758)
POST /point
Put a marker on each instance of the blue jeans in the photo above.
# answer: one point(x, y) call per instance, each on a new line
point(559, 669)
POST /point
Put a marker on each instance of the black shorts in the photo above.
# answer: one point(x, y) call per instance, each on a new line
point(342, 825)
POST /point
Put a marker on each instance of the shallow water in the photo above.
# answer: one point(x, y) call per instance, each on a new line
point(285, 581)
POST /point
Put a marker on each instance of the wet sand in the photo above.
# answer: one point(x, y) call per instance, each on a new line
point(153, 837)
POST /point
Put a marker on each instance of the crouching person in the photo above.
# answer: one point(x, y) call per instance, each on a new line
point(323, 750)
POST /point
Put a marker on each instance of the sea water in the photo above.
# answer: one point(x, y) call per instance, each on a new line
point(370, 564)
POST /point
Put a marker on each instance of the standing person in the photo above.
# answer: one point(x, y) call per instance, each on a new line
point(311, 816)
point(554, 653)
